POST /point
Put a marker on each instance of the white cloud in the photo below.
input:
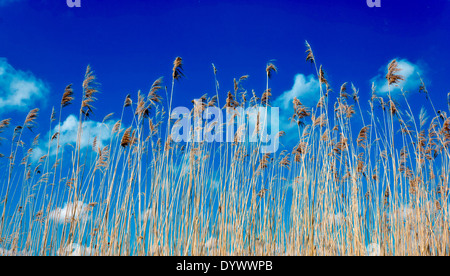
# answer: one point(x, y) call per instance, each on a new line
point(147, 214)
point(337, 219)
point(71, 211)
point(18, 89)
point(305, 88)
point(211, 244)
point(75, 250)
point(408, 70)
point(373, 250)
point(91, 129)
point(68, 135)
point(12, 253)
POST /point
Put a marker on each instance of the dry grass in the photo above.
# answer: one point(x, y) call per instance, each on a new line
point(383, 193)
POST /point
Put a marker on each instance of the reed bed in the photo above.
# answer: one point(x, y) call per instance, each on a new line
point(380, 188)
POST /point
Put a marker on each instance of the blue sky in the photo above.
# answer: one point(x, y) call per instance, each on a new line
point(44, 46)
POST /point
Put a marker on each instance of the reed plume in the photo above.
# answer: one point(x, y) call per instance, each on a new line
point(392, 76)
point(310, 55)
point(153, 96)
point(177, 71)
point(67, 96)
point(31, 118)
point(126, 138)
point(89, 90)
point(270, 68)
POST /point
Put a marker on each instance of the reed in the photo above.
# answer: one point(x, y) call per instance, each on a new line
point(344, 188)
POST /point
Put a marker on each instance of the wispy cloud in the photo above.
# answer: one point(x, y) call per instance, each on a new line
point(71, 211)
point(75, 250)
point(13, 253)
point(18, 89)
point(307, 90)
point(147, 214)
point(408, 70)
point(68, 135)
point(373, 249)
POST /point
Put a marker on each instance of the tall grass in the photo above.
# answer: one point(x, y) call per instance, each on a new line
point(381, 189)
